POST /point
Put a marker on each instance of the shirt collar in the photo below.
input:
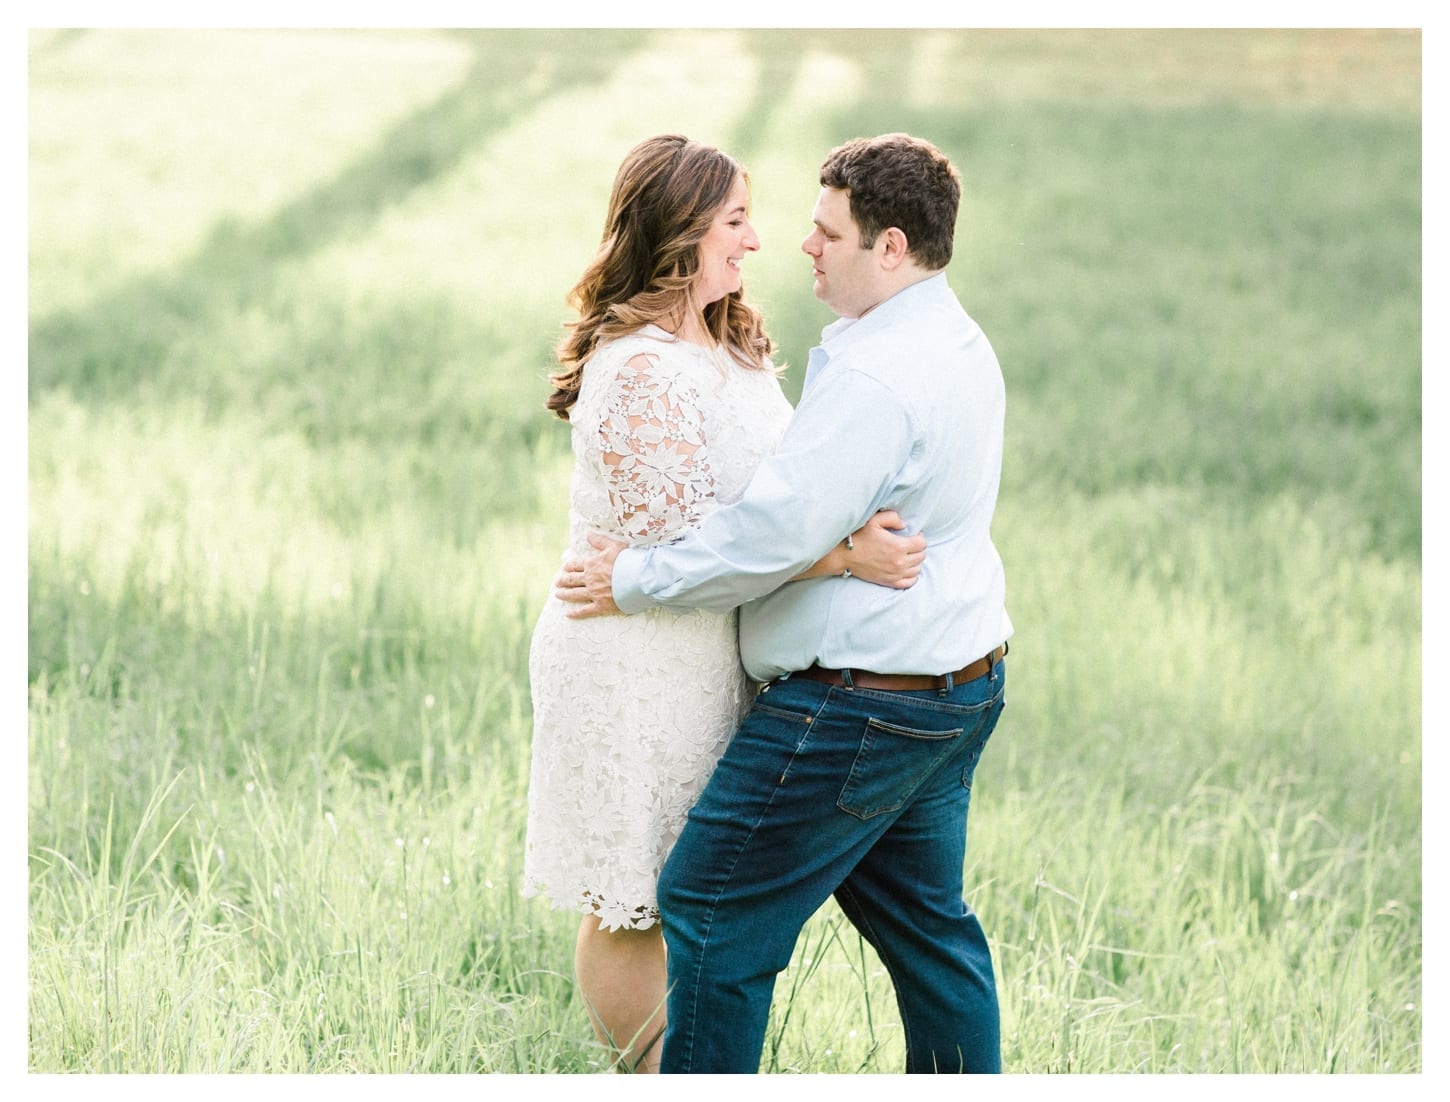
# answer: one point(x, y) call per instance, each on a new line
point(840, 334)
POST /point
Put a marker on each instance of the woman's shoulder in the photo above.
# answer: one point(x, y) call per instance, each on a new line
point(621, 363)
point(648, 349)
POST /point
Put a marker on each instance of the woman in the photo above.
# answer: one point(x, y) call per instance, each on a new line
point(673, 401)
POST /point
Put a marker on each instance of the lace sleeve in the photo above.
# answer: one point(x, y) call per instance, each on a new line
point(655, 460)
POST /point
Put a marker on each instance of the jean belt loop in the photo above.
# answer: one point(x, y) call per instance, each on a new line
point(846, 677)
point(951, 683)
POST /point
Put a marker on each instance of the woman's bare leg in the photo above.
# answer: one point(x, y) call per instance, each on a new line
point(622, 977)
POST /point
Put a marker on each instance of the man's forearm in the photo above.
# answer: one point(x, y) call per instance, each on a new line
point(687, 575)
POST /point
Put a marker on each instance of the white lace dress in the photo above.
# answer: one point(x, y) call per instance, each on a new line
point(632, 712)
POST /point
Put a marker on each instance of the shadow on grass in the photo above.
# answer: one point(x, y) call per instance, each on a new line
point(103, 351)
point(884, 58)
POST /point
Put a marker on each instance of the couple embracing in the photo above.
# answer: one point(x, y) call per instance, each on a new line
point(775, 652)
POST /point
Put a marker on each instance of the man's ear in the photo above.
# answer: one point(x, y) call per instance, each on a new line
point(894, 248)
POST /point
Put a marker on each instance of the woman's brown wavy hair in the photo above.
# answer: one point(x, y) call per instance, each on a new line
point(665, 197)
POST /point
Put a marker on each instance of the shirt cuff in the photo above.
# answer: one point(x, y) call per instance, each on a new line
point(628, 567)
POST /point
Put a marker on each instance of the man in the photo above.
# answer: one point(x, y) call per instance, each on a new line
point(852, 773)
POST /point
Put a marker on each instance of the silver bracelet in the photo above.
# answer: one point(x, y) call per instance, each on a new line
point(850, 546)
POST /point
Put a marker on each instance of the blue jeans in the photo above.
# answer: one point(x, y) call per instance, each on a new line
point(823, 790)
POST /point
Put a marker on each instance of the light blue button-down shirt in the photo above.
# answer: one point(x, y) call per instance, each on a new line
point(901, 409)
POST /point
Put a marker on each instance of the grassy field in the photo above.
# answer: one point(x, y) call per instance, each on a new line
point(294, 504)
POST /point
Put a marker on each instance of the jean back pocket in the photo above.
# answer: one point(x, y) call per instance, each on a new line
point(891, 764)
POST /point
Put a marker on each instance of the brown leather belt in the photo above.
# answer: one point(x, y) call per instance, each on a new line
point(904, 682)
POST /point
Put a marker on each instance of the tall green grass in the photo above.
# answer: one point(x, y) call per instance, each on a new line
point(294, 504)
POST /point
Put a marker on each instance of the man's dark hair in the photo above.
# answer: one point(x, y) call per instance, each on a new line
point(897, 180)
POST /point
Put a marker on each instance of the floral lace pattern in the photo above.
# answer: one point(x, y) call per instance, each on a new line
point(632, 712)
point(652, 440)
